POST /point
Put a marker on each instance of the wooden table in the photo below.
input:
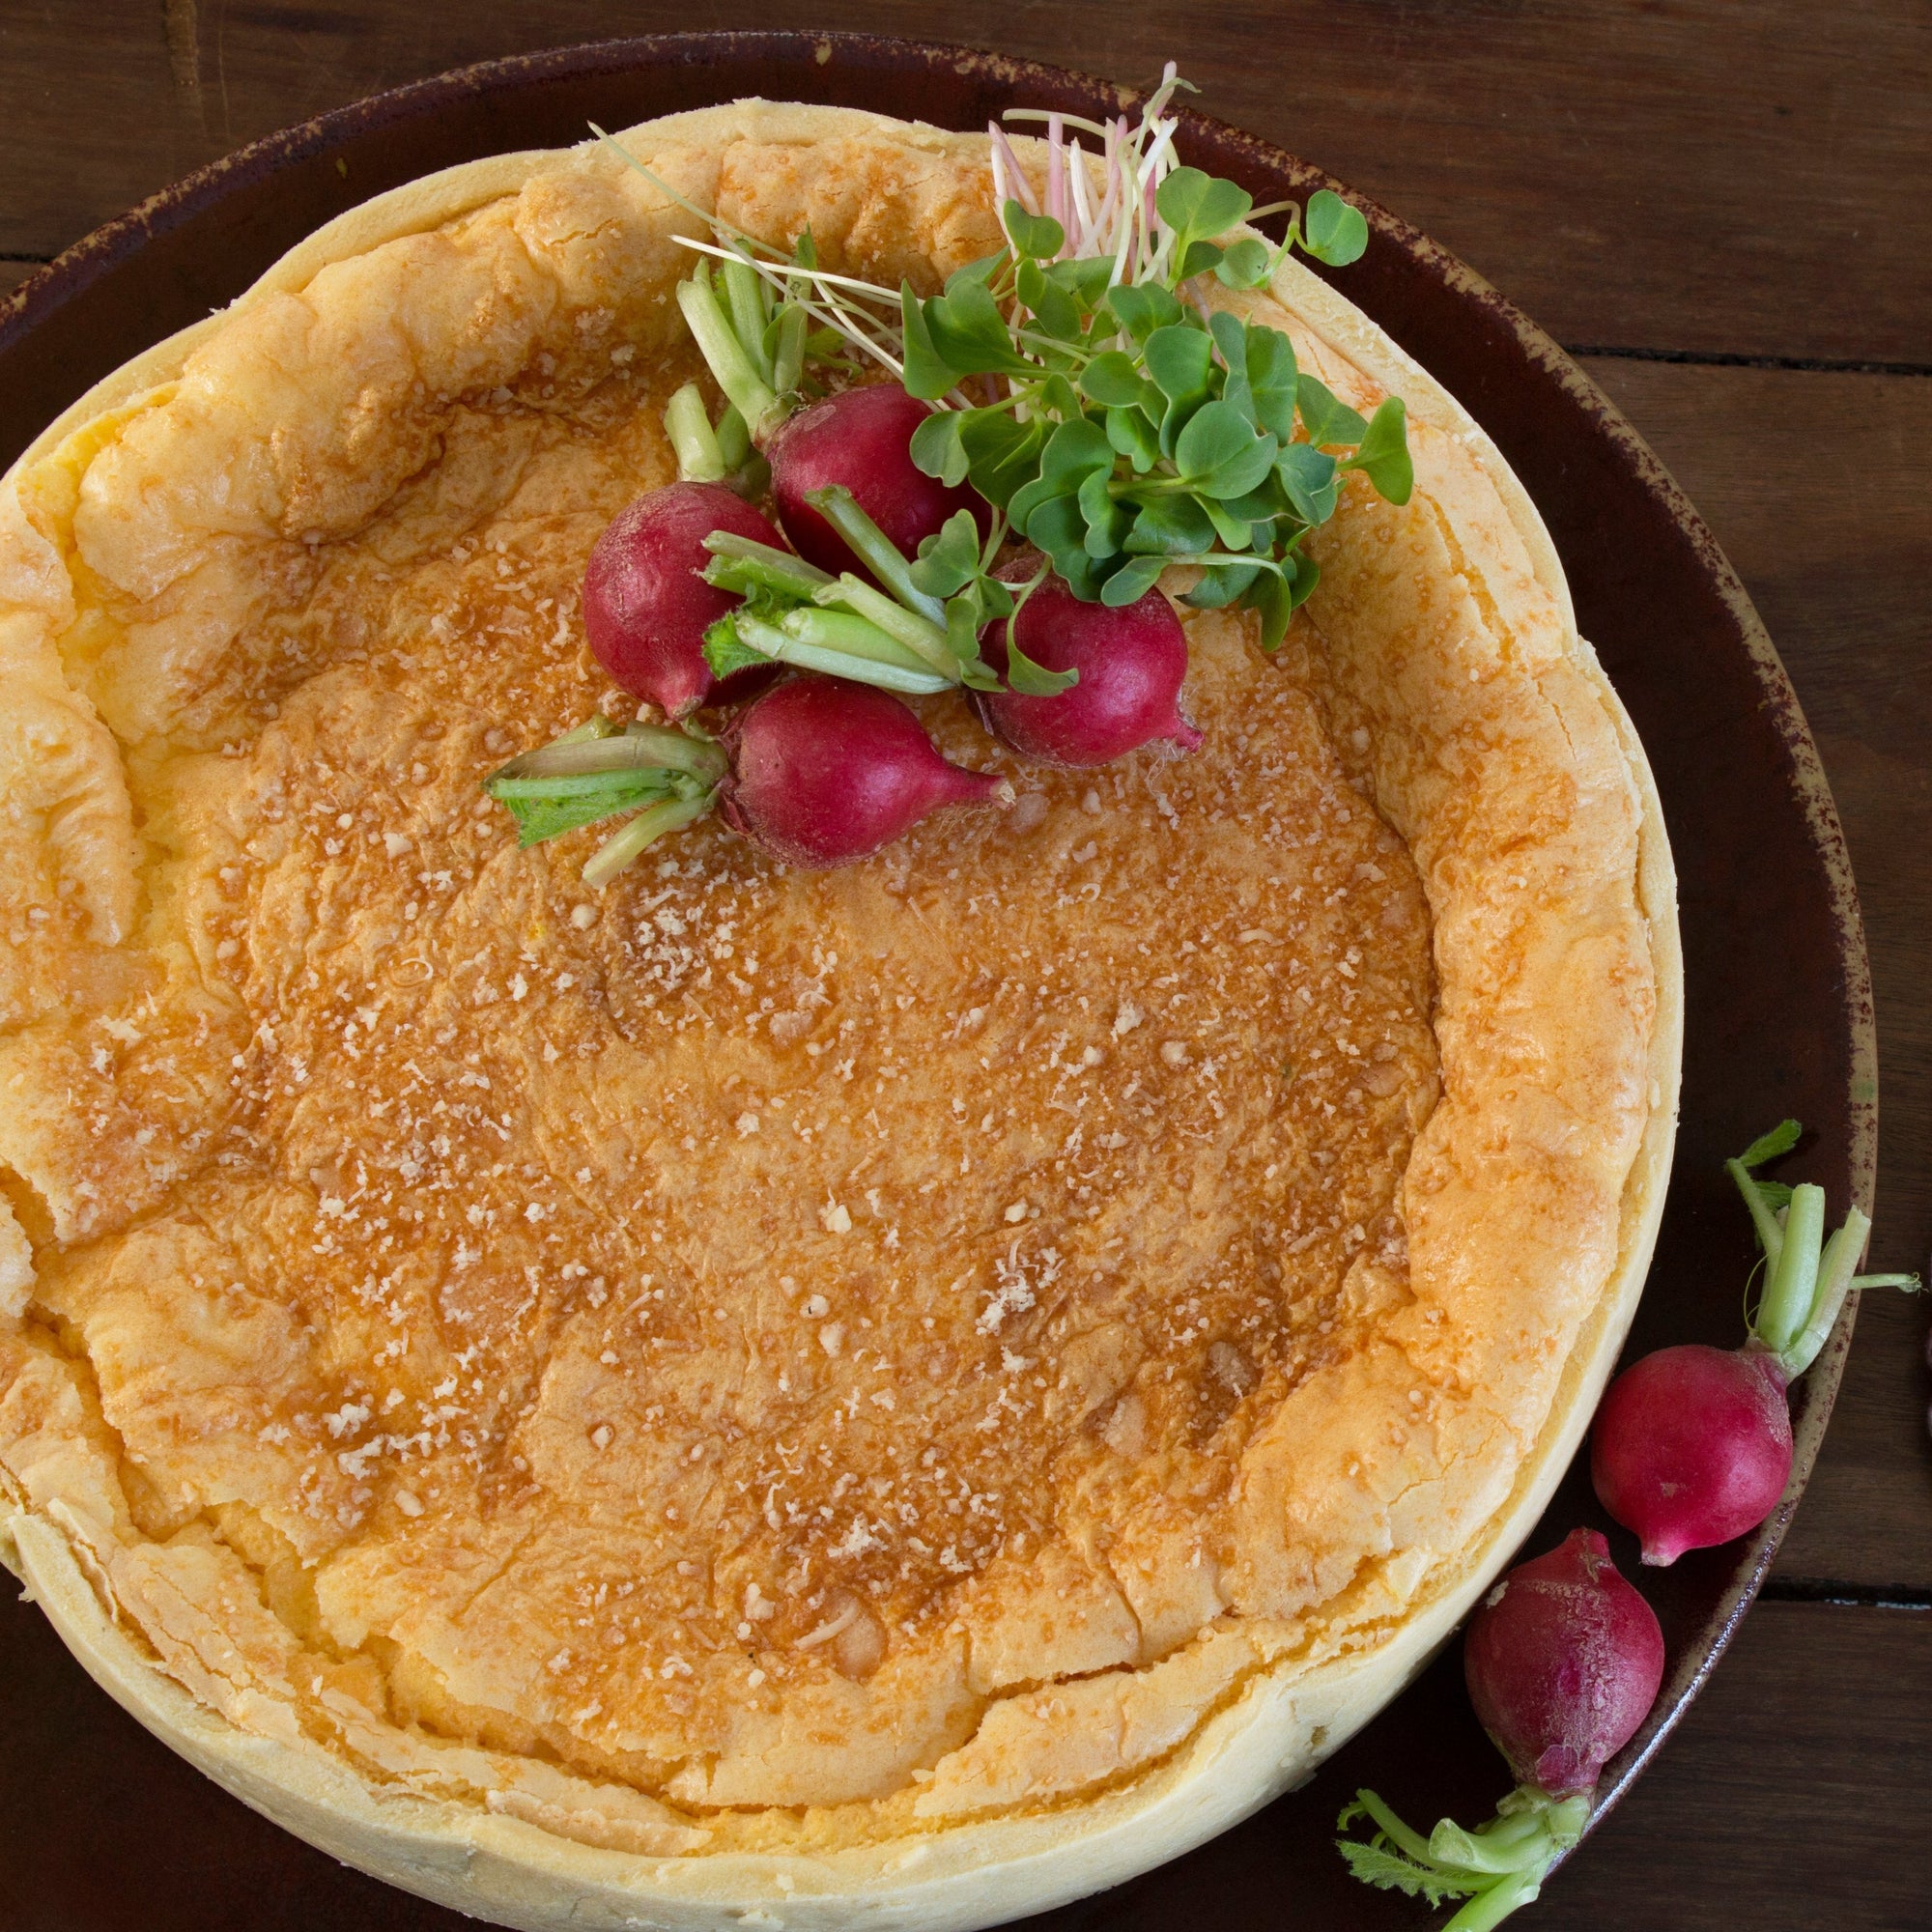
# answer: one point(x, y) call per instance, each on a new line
point(1724, 210)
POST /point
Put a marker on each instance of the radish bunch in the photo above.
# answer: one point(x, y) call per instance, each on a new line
point(815, 771)
point(1692, 1445)
point(1563, 1662)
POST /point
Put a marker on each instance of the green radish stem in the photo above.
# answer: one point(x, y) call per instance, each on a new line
point(854, 649)
point(701, 458)
point(651, 825)
point(740, 378)
point(874, 549)
point(1809, 1276)
point(919, 634)
point(1497, 1868)
point(1793, 1281)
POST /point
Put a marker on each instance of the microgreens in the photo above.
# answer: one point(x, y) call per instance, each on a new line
point(1086, 388)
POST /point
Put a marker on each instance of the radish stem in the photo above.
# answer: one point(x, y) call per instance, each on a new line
point(1793, 1283)
point(741, 379)
point(1771, 1237)
point(651, 824)
point(700, 459)
point(874, 549)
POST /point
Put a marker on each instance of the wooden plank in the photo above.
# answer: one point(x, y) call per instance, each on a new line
point(1816, 486)
point(1678, 175)
point(1791, 1796)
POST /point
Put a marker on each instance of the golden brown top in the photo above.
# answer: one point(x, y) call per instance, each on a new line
point(737, 1336)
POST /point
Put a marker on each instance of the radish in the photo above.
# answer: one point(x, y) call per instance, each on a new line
point(859, 439)
point(1692, 1445)
point(1130, 662)
point(825, 772)
point(818, 771)
point(1563, 1662)
point(646, 604)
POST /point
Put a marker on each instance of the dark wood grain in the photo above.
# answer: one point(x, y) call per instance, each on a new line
point(1791, 1797)
point(13, 273)
point(1686, 174)
point(1817, 486)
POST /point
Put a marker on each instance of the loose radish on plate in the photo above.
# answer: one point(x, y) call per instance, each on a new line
point(818, 771)
point(1127, 663)
point(1693, 1444)
point(646, 603)
point(1563, 1662)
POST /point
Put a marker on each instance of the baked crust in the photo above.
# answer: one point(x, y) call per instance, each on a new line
point(1174, 1606)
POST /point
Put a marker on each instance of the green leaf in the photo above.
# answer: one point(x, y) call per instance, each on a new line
point(1030, 679)
point(1142, 307)
point(1220, 585)
point(1170, 526)
point(1274, 381)
point(1376, 1865)
point(1312, 479)
point(1106, 521)
point(1332, 230)
point(1054, 310)
point(1781, 1139)
point(1307, 574)
point(1326, 416)
point(1220, 452)
point(1038, 235)
point(1133, 582)
point(1076, 448)
point(1774, 1193)
point(982, 271)
point(929, 376)
point(725, 651)
point(1112, 380)
point(1273, 598)
point(1179, 357)
point(972, 335)
point(1193, 203)
point(1085, 279)
point(1058, 530)
point(1243, 263)
point(1234, 532)
point(937, 449)
point(1001, 454)
point(1199, 259)
point(1136, 439)
point(1382, 454)
point(950, 559)
point(1060, 396)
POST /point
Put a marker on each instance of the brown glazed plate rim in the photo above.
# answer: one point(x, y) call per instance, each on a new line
point(1523, 377)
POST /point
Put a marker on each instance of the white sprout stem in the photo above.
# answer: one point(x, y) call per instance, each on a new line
point(1018, 188)
point(1050, 114)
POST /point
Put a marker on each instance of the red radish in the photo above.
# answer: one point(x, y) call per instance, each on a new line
point(1563, 1662)
point(646, 604)
point(1130, 661)
point(825, 772)
point(860, 438)
point(1692, 1447)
